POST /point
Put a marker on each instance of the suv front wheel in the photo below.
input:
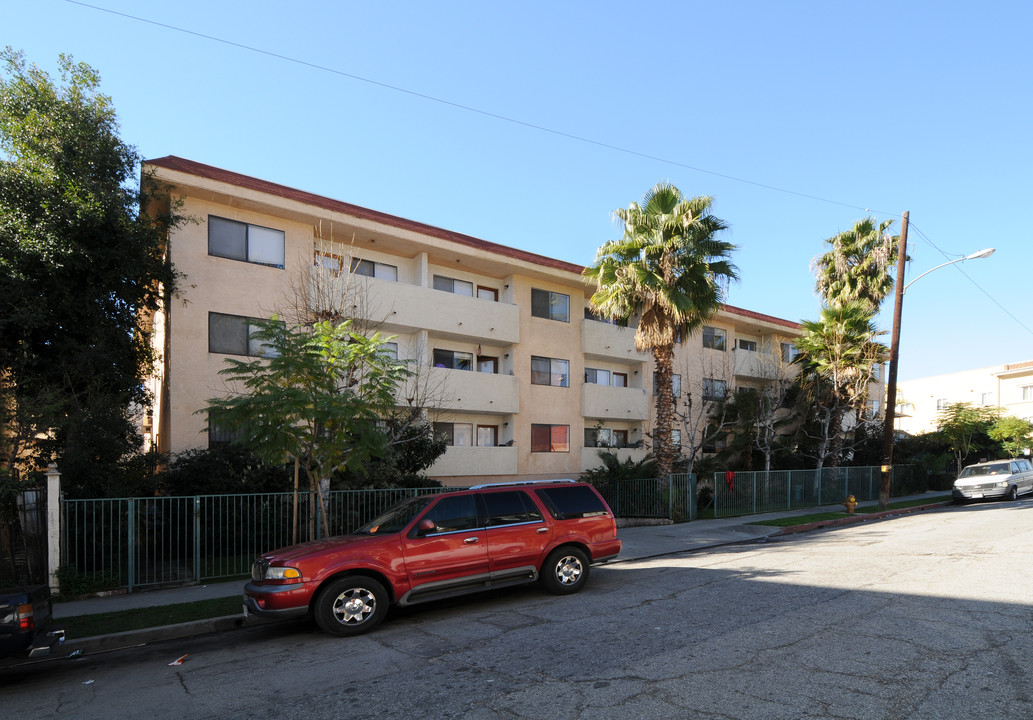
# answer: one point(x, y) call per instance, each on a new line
point(351, 605)
point(565, 571)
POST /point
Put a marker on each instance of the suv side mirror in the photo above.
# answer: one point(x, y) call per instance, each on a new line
point(425, 526)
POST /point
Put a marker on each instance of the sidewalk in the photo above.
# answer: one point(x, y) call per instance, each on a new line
point(640, 542)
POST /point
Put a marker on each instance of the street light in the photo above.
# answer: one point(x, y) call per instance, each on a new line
point(891, 380)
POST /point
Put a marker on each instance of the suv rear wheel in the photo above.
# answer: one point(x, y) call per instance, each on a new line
point(565, 571)
point(351, 605)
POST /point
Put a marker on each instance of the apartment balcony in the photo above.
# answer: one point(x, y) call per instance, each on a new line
point(604, 402)
point(400, 307)
point(610, 342)
point(761, 365)
point(590, 456)
point(458, 461)
point(469, 391)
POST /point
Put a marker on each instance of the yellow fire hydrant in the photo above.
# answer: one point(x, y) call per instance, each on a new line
point(850, 503)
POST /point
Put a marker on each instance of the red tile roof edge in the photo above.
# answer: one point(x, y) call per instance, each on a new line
point(210, 172)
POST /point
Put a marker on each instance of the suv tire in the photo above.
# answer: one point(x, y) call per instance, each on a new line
point(351, 605)
point(565, 571)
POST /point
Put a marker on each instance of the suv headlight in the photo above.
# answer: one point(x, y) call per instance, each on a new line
point(282, 574)
point(1001, 483)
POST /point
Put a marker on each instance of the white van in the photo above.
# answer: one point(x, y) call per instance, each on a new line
point(996, 479)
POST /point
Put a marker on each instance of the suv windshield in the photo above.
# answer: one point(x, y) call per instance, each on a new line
point(395, 519)
point(995, 469)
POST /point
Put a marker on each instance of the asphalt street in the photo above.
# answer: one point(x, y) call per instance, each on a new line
point(925, 616)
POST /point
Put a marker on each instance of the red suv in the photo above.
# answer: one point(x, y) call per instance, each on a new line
point(439, 546)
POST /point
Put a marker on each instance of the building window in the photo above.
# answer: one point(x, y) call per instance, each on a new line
point(714, 338)
point(231, 335)
point(369, 268)
point(486, 364)
point(605, 437)
point(789, 352)
point(550, 371)
point(550, 438)
point(328, 261)
point(714, 389)
point(487, 293)
point(942, 403)
point(453, 360)
point(676, 438)
point(391, 349)
point(597, 377)
point(243, 241)
point(455, 434)
point(986, 398)
point(218, 434)
point(675, 385)
point(1027, 392)
point(748, 345)
point(620, 379)
point(487, 435)
point(457, 287)
point(550, 305)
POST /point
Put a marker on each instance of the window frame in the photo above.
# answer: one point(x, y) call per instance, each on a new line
point(711, 384)
point(455, 360)
point(251, 325)
point(452, 282)
point(550, 300)
point(246, 253)
point(378, 270)
point(564, 376)
point(715, 338)
point(555, 444)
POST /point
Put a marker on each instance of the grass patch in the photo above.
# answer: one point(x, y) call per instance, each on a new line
point(83, 626)
point(819, 517)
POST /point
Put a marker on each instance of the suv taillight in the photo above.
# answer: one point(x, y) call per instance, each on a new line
point(25, 621)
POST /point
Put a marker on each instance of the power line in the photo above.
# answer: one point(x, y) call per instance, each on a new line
point(523, 123)
point(969, 278)
point(468, 108)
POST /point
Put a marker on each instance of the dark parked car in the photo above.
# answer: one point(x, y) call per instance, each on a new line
point(439, 546)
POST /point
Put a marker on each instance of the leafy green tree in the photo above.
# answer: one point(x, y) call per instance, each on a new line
point(857, 266)
point(411, 447)
point(1014, 434)
point(670, 269)
point(81, 269)
point(838, 357)
point(316, 398)
point(964, 427)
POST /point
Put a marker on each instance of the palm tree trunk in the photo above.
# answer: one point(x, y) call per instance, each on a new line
point(663, 450)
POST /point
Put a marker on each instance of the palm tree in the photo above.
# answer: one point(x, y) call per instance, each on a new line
point(857, 267)
point(670, 270)
point(838, 356)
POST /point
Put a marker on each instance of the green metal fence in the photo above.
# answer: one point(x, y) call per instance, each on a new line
point(750, 493)
point(136, 543)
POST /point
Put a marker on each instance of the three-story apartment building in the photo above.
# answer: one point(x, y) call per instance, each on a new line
point(511, 365)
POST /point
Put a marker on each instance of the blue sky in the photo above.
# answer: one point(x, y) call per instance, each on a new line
point(798, 118)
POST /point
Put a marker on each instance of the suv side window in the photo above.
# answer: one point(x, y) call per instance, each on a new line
point(453, 514)
point(509, 508)
point(577, 501)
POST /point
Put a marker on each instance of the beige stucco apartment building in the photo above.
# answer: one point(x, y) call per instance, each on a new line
point(1005, 388)
point(511, 366)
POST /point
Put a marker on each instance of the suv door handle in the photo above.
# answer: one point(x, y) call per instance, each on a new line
point(542, 531)
point(471, 540)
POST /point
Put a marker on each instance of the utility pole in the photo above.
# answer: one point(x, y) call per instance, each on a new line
point(891, 380)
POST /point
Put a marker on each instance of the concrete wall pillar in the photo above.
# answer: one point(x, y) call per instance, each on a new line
point(53, 525)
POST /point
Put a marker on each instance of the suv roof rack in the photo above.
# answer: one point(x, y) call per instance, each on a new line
point(520, 482)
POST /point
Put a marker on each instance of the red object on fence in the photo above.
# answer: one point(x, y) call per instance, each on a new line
point(730, 479)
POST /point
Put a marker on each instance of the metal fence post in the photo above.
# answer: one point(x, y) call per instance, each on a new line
point(131, 541)
point(197, 538)
point(670, 498)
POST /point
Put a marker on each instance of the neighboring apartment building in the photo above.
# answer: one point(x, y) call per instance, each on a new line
point(1005, 388)
point(512, 367)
